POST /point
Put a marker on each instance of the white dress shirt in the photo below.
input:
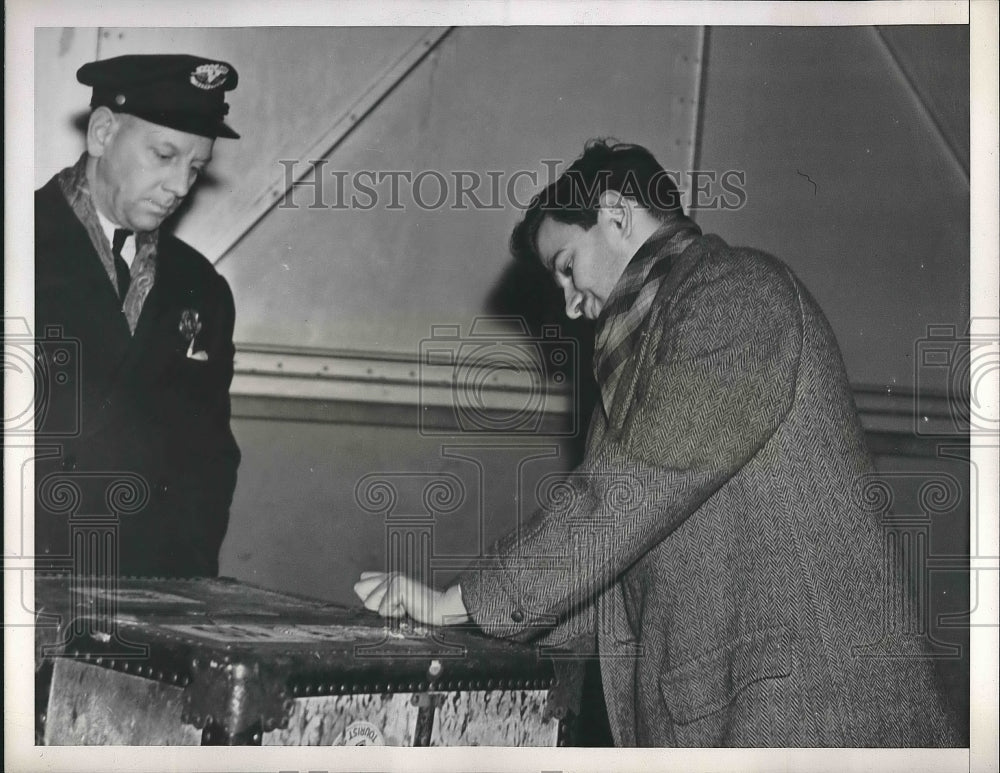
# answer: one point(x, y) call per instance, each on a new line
point(109, 228)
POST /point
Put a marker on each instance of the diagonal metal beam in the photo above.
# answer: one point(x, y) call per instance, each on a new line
point(701, 78)
point(347, 121)
point(929, 114)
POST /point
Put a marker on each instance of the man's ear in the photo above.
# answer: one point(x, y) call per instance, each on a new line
point(101, 130)
point(617, 210)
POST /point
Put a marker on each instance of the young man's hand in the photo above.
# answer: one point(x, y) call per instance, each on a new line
point(396, 595)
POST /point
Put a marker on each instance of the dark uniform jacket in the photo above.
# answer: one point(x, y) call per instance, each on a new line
point(720, 545)
point(132, 434)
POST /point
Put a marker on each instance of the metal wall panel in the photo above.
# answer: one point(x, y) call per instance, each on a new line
point(848, 181)
point(295, 83)
point(60, 102)
point(935, 62)
point(299, 522)
point(486, 99)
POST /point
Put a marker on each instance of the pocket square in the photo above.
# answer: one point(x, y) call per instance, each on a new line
point(201, 355)
point(190, 326)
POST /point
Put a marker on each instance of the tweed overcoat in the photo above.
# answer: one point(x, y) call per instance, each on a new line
point(716, 544)
point(138, 408)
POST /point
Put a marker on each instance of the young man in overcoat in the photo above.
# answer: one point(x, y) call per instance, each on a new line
point(721, 551)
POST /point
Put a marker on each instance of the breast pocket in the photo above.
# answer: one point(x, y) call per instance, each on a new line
point(703, 694)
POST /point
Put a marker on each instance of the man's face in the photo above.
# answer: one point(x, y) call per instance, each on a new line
point(144, 170)
point(586, 264)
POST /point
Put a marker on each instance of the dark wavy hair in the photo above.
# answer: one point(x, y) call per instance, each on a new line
point(574, 197)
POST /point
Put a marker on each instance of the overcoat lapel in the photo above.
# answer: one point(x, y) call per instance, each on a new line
point(625, 393)
point(634, 376)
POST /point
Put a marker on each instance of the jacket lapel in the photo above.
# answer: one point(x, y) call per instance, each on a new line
point(80, 269)
point(152, 309)
point(151, 338)
point(157, 335)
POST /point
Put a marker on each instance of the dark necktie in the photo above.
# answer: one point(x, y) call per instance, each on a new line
point(121, 267)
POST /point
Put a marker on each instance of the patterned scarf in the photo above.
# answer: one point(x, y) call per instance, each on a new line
point(73, 182)
point(628, 306)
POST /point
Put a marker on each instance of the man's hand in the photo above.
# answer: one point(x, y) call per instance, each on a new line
point(395, 595)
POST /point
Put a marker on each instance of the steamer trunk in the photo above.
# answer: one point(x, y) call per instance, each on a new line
point(215, 661)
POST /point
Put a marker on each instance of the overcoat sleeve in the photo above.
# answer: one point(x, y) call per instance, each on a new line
point(718, 385)
point(196, 438)
point(224, 351)
point(213, 496)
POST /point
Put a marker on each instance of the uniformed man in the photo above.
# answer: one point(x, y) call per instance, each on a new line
point(136, 461)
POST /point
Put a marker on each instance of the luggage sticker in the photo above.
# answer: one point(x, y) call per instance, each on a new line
point(361, 733)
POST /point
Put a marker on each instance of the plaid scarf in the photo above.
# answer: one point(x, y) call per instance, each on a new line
point(620, 323)
point(73, 183)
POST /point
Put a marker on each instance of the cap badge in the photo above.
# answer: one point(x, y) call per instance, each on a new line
point(209, 76)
